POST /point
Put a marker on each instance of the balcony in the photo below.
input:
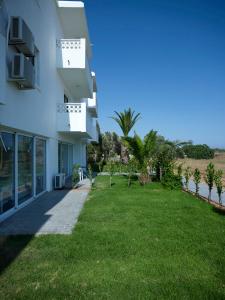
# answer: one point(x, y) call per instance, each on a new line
point(95, 131)
point(93, 105)
point(73, 66)
point(74, 118)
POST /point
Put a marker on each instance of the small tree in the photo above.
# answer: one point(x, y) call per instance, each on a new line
point(90, 174)
point(209, 178)
point(131, 167)
point(111, 168)
point(219, 184)
point(187, 176)
point(197, 180)
point(101, 164)
point(180, 170)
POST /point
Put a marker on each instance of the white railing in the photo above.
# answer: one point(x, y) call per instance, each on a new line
point(73, 117)
point(69, 108)
point(71, 53)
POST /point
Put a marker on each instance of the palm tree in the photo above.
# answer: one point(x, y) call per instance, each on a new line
point(126, 121)
point(142, 150)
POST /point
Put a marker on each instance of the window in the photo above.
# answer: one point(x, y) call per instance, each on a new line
point(40, 165)
point(66, 100)
point(25, 168)
point(7, 151)
point(37, 67)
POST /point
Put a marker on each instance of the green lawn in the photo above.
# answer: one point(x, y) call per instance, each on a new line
point(129, 243)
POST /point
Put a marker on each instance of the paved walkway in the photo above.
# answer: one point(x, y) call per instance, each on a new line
point(55, 212)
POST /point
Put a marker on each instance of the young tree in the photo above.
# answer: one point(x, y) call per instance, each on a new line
point(111, 166)
point(209, 178)
point(197, 180)
point(131, 168)
point(219, 184)
point(90, 174)
point(180, 172)
point(187, 176)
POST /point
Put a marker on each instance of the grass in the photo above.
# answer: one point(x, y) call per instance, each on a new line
point(129, 243)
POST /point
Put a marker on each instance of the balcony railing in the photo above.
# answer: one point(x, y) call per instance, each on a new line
point(73, 65)
point(93, 105)
point(73, 117)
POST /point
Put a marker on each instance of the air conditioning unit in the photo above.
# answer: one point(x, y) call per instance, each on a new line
point(22, 71)
point(60, 180)
point(21, 36)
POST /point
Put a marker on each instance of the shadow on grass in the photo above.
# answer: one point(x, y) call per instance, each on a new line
point(10, 248)
point(218, 210)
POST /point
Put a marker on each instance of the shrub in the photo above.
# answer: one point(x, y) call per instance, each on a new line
point(144, 178)
point(171, 181)
point(75, 175)
point(198, 151)
point(197, 179)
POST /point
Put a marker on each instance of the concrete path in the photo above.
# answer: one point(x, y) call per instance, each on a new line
point(204, 191)
point(55, 212)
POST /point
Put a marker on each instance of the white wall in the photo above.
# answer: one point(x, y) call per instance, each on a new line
point(35, 111)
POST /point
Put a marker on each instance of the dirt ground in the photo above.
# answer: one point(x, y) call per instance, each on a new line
point(201, 164)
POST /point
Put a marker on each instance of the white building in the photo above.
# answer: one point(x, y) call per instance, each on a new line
point(48, 104)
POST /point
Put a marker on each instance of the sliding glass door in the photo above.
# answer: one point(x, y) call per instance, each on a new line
point(40, 165)
point(25, 168)
point(7, 152)
point(65, 158)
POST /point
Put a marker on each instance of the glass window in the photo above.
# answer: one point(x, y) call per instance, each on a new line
point(7, 151)
point(40, 165)
point(25, 169)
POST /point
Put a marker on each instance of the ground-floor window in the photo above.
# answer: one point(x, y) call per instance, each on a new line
point(7, 154)
point(25, 168)
point(22, 169)
point(40, 165)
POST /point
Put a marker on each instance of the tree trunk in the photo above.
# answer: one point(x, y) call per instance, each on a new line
point(210, 191)
point(124, 154)
point(220, 200)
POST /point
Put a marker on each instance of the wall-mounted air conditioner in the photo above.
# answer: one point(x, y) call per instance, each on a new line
point(21, 36)
point(22, 71)
point(60, 180)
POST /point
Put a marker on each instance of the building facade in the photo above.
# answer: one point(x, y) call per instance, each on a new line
point(48, 97)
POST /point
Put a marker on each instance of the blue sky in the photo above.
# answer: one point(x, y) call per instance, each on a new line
point(164, 59)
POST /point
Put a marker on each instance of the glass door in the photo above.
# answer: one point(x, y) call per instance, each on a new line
point(70, 160)
point(40, 165)
point(25, 169)
point(7, 152)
